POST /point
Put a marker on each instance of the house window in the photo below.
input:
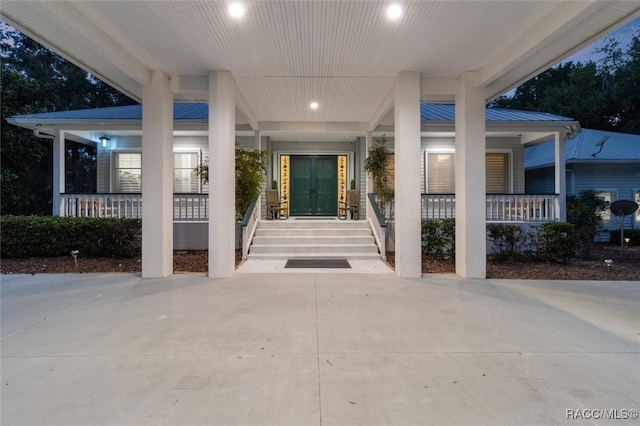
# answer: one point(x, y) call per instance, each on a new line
point(185, 178)
point(497, 169)
point(607, 196)
point(128, 172)
point(440, 173)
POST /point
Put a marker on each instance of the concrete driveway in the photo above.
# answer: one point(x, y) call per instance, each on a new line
point(317, 349)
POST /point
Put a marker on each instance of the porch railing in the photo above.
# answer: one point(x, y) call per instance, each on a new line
point(186, 207)
point(499, 207)
point(378, 224)
point(101, 205)
point(249, 225)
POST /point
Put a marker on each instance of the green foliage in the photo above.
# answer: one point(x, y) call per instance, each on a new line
point(36, 80)
point(512, 242)
point(40, 236)
point(439, 238)
point(377, 165)
point(251, 168)
point(352, 185)
point(632, 234)
point(558, 242)
point(603, 95)
point(585, 212)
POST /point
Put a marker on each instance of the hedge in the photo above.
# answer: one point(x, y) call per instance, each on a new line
point(49, 236)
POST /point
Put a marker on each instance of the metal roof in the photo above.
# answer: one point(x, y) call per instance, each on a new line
point(429, 112)
point(587, 146)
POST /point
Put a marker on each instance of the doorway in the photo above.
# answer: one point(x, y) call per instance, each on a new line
point(314, 185)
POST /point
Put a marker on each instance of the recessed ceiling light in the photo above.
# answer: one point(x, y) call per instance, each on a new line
point(314, 105)
point(236, 10)
point(394, 11)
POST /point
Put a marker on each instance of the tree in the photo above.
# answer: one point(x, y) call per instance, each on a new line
point(36, 80)
point(603, 95)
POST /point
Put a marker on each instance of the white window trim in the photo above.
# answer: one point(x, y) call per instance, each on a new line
point(509, 153)
point(112, 163)
point(426, 162)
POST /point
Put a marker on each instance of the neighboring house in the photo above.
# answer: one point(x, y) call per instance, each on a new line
point(607, 162)
point(298, 165)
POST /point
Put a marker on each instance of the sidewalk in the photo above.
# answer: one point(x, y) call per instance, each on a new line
point(315, 349)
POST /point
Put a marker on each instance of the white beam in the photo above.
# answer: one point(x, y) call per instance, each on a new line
point(157, 178)
point(194, 88)
point(222, 111)
point(381, 111)
point(313, 126)
point(245, 109)
point(438, 89)
point(67, 16)
point(470, 179)
point(407, 175)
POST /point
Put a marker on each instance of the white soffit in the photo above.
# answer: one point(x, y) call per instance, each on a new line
point(343, 54)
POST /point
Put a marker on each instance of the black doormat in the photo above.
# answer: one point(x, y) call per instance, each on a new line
point(317, 218)
point(317, 263)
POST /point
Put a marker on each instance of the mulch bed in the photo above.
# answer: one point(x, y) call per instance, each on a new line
point(625, 268)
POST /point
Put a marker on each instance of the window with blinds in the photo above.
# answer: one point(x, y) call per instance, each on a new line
point(440, 173)
point(185, 179)
point(497, 169)
point(128, 172)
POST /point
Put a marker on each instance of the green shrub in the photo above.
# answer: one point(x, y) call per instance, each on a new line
point(439, 238)
point(48, 236)
point(633, 234)
point(511, 241)
point(585, 212)
point(558, 242)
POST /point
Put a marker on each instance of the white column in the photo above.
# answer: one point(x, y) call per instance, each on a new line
point(560, 178)
point(221, 174)
point(470, 172)
point(257, 144)
point(407, 175)
point(59, 181)
point(368, 185)
point(157, 177)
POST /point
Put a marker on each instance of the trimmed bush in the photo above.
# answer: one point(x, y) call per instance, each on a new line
point(558, 242)
point(634, 234)
point(439, 238)
point(49, 236)
point(511, 241)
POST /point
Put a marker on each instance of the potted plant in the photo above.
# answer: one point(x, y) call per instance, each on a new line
point(377, 166)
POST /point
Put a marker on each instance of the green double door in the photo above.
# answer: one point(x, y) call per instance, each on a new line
point(314, 185)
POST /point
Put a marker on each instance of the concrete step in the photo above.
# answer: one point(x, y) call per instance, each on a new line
point(319, 255)
point(314, 248)
point(313, 224)
point(322, 239)
point(338, 232)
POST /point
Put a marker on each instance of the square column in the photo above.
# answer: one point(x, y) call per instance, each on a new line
point(471, 236)
point(407, 175)
point(222, 168)
point(560, 178)
point(157, 177)
point(59, 181)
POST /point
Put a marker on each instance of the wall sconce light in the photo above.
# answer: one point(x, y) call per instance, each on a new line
point(104, 141)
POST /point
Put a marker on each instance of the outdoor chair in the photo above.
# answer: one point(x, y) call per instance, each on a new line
point(351, 205)
point(275, 208)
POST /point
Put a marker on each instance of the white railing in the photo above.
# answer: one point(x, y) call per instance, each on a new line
point(378, 225)
point(101, 205)
point(190, 207)
point(499, 207)
point(186, 207)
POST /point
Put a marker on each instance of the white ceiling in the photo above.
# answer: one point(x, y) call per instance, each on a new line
point(343, 54)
